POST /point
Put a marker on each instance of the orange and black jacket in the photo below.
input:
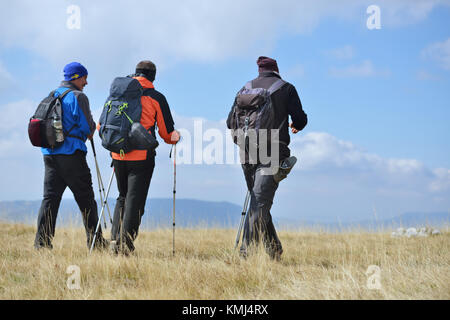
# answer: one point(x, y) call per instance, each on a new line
point(155, 113)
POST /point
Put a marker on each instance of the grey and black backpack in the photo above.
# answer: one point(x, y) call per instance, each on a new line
point(253, 110)
point(121, 115)
point(45, 126)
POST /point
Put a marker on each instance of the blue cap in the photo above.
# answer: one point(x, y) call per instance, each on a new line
point(74, 70)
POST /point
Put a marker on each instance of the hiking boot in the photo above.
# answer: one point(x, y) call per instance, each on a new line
point(43, 242)
point(276, 255)
point(283, 170)
point(116, 248)
point(125, 251)
point(101, 244)
point(243, 253)
point(126, 246)
point(40, 247)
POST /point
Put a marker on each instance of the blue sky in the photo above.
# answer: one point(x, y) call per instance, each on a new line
point(377, 100)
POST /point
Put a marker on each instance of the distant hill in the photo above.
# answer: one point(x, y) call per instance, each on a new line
point(409, 219)
point(192, 213)
point(158, 212)
point(415, 218)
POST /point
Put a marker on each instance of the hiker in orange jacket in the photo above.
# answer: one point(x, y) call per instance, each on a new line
point(134, 169)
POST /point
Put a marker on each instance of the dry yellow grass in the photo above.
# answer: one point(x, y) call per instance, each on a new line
point(314, 265)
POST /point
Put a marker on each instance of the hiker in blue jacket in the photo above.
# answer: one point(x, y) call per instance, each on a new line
point(66, 165)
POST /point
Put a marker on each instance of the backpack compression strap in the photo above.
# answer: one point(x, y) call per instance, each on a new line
point(67, 134)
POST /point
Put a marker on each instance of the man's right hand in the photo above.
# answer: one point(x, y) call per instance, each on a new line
point(175, 136)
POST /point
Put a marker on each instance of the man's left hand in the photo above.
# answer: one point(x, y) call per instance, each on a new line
point(294, 131)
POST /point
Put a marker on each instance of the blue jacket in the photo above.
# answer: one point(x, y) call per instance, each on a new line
point(77, 114)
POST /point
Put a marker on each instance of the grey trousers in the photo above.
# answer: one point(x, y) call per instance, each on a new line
point(258, 222)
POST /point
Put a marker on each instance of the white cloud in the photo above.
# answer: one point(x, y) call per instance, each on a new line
point(332, 177)
point(323, 153)
point(322, 150)
point(6, 78)
point(114, 35)
point(405, 12)
point(426, 76)
point(439, 52)
point(342, 53)
point(121, 32)
point(14, 127)
point(22, 163)
point(442, 181)
point(361, 70)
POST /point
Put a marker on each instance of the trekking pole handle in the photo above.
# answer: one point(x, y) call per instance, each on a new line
point(93, 147)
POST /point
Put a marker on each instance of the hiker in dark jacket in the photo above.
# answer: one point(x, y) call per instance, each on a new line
point(134, 169)
point(262, 186)
point(66, 165)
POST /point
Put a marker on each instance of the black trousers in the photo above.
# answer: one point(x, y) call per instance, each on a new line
point(258, 222)
point(63, 171)
point(133, 181)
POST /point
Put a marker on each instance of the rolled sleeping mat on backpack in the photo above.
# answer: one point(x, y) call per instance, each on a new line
point(284, 168)
point(141, 139)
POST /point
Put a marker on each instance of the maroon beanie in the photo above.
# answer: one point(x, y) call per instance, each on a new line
point(267, 64)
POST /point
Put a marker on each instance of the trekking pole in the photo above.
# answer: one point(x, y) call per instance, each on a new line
point(103, 209)
point(244, 212)
point(100, 183)
point(101, 197)
point(98, 178)
point(174, 192)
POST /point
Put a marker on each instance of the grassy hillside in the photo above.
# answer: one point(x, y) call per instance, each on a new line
point(314, 266)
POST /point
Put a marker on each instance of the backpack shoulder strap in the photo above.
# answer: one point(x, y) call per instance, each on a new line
point(276, 86)
point(52, 95)
point(61, 96)
point(147, 91)
point(249, 85)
